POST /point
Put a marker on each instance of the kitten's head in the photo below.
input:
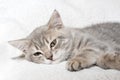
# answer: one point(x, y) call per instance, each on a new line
point(46, 44)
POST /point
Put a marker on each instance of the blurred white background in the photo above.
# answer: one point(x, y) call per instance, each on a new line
point(19, 17)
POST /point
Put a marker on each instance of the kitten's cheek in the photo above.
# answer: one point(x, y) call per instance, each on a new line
point(28, 58)
point(56, 56)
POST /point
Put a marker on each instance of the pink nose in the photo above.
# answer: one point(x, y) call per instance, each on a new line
point(50, 58)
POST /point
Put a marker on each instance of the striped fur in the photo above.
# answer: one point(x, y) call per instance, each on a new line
point(82, 48)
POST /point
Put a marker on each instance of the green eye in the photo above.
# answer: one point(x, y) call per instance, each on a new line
point(53, 43)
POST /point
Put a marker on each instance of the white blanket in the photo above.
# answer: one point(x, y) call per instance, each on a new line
point(19, 17)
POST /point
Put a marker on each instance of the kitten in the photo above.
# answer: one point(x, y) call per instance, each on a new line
point(81, 48)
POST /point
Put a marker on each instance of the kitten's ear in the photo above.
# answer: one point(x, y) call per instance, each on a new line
point(55, 20)
point(22, 44)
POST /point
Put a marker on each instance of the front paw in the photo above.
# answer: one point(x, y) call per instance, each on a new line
point(74, 65)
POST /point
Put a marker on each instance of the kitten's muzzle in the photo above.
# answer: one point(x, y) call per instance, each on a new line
point(50, 57)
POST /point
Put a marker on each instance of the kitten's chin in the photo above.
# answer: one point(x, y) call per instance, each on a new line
point(51, 62)
point(56, 61)
point(47, 62)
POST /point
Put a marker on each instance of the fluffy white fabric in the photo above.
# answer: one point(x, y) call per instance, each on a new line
point(19, 17)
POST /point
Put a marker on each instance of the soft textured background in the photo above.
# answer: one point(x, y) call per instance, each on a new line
point(19, 17)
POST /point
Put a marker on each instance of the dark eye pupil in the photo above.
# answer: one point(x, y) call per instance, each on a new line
point(37, 53)
point(53, 43)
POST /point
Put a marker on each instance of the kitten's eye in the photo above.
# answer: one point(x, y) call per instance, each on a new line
point(37, 53)
point(53, 43)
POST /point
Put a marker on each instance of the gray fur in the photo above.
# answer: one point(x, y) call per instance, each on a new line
point(98, 44)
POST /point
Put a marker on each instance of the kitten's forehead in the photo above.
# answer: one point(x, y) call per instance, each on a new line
point(42, 35)
point(51, 33)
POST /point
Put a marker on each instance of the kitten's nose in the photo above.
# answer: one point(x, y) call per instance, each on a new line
point(50, 58)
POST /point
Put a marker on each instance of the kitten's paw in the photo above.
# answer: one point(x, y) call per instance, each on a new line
point(109, 61)
point(74, 65)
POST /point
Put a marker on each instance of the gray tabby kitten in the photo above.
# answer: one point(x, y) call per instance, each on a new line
point(81, 48)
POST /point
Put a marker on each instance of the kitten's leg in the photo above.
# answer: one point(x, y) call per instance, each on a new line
point(81, 61)
point(108, 61)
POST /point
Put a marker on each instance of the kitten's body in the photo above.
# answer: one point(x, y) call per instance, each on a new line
point(108, 32)
point(98, 44)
